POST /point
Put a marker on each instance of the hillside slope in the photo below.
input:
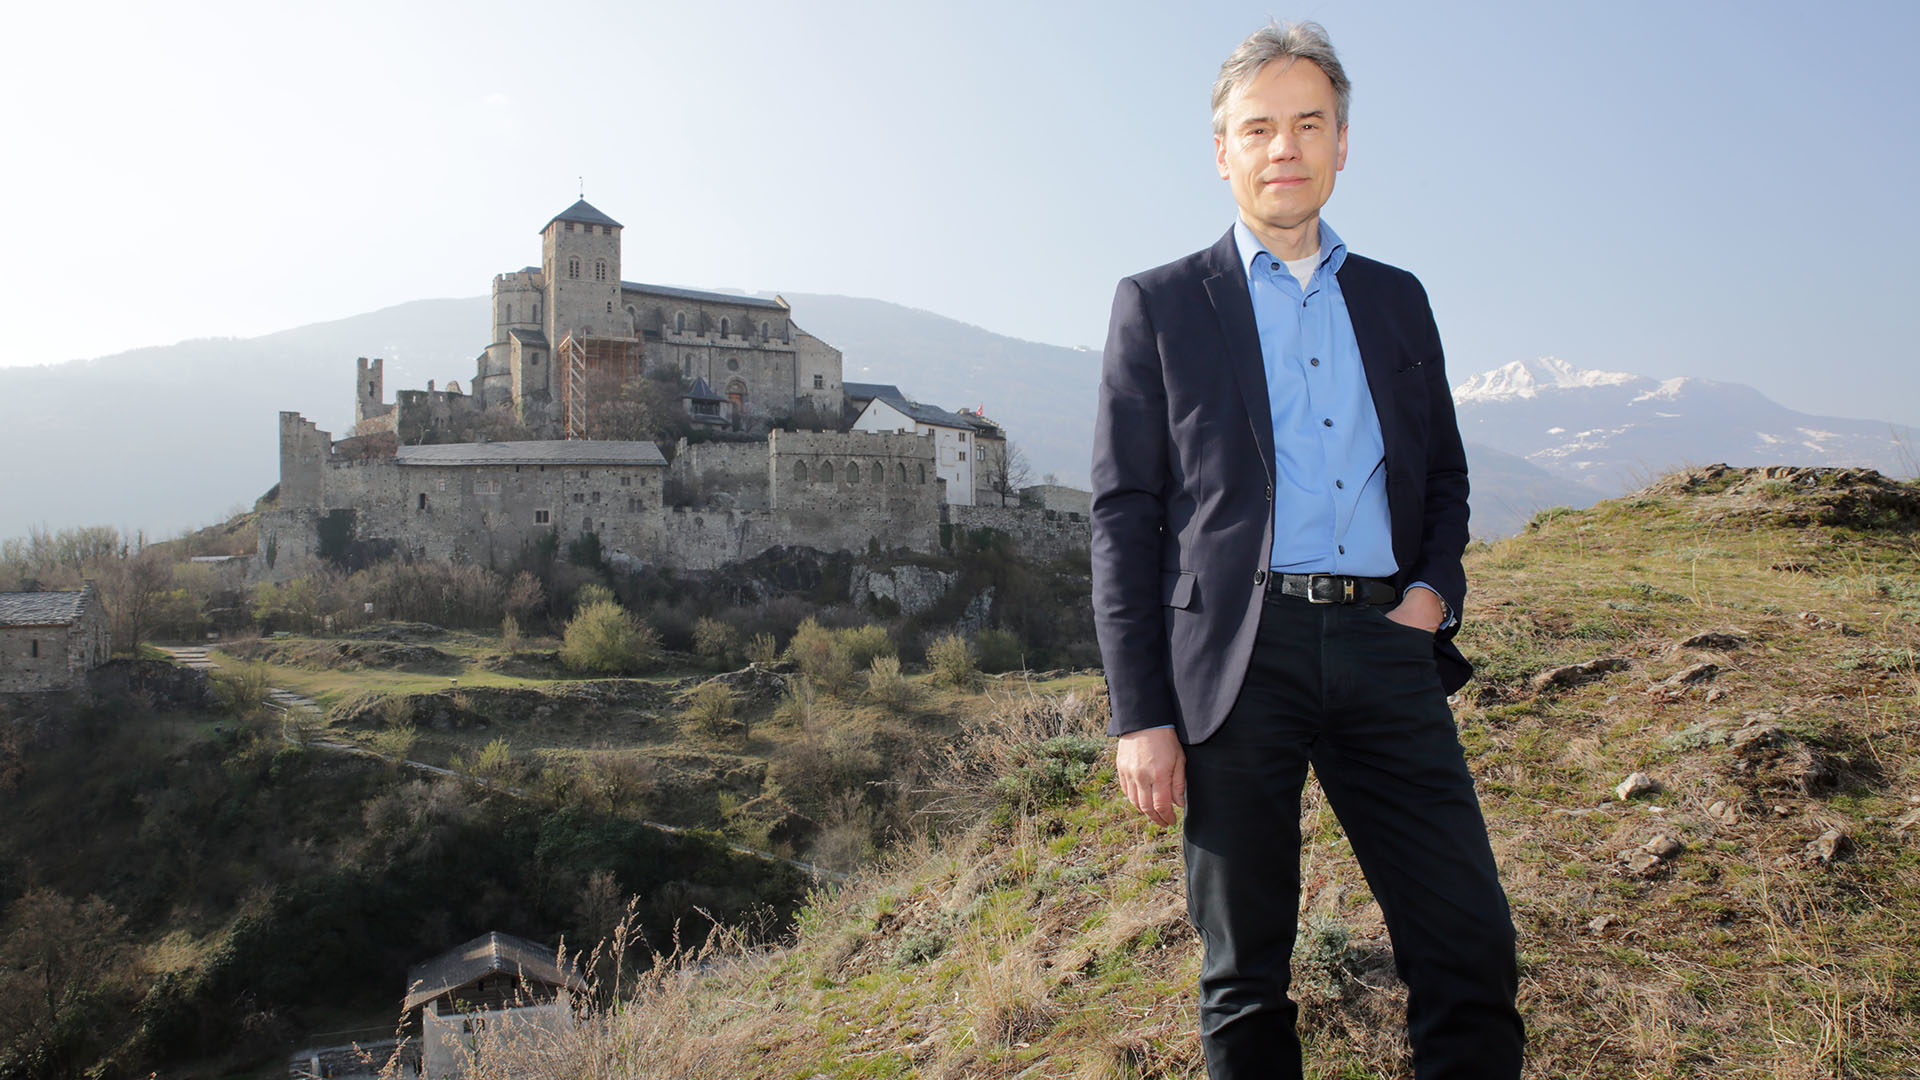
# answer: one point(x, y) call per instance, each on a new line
point(1750, 643)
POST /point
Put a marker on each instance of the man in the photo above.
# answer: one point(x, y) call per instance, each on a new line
point(1279, 509)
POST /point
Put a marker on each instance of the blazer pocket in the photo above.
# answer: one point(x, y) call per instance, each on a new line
point(1176, 588)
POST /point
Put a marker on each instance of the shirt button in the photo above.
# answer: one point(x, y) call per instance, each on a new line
point(1315, 361)
point(1340, 483)
point(1328, 421)
point(1273, 266)
point(1343, 549)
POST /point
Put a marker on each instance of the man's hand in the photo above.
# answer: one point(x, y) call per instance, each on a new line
point(1153, 772)
point(1421, 609)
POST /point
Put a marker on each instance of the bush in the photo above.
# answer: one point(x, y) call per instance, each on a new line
point(864, 643)
point(710, 706)
point(821, 657)
point(886, 686)
point(241, 688)
point(603, 638)
point(1000, 650)
point(763, 649)
point(716, 640)
point(953, 663)
point(510, 634)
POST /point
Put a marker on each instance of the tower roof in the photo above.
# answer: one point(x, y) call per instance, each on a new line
point(583, 212)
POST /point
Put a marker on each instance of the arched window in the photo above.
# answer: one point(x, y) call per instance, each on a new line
point(826, 472)
point(923, 474)
point(679, 322)
point(599, 269)
point(877, 474)
point(687, 365)
point(763, 331)
point(800, 471)
point(573, 267)
point(853, 472)
point(725, 326)
point(900, 473)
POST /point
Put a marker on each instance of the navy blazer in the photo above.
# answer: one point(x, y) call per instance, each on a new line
point(1183, 478)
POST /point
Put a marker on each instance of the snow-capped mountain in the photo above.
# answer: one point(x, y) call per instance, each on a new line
point(1610, 430)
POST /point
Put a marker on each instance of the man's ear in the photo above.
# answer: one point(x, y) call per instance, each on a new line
point(1220, 154)
point(1340, 161)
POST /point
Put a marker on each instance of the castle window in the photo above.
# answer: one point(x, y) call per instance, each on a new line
point(573, 268)
point(763, 331)
point(733, 363)
point(569, 226)
point(979, 452)
point(826, 472)
point(533, 358)
point(536, 311)
point(687, 364)
point(542, 517)
point(725, 325)
point(923, 474)
point(819, 382)
point(680, 322)
point(606, 230)
point(609, 307)
point(423, 500)
point(626, 481)
point(36, 648)
point(853, 472)
point(900, 473)
point(599, 269)
point(800, 472)
point(506, 313)
point(596, 496)
point(579, 496)
point(877, 474)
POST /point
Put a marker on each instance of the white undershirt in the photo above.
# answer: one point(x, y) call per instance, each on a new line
point(1302, 269)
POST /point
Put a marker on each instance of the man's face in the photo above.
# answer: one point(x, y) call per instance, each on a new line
point(1282, 147)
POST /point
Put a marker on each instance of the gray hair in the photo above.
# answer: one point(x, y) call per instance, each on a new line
point(1289, 42)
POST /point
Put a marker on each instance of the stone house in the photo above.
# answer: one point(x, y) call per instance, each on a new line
point(50, 640)
point(495, 987)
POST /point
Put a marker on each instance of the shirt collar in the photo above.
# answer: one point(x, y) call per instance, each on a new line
point(1333, 250)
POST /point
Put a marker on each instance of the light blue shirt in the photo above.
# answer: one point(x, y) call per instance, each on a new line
point(1330, 471)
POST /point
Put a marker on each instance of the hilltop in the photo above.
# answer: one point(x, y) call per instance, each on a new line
point(1746, 639)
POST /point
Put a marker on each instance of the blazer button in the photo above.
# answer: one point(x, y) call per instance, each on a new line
point(1259, 577)
point(1269, 492)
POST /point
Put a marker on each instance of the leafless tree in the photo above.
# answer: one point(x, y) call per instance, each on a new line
point(1008, 471)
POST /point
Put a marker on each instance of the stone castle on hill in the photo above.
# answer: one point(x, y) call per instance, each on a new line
point(792, 455)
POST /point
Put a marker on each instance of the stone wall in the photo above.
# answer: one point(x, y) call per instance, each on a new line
point(1036, 534)
point(35, 659)
point(724, 474)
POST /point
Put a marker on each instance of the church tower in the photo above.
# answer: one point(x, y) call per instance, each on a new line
point(580, 256)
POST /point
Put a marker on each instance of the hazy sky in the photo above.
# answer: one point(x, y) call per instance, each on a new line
point(1717, 189)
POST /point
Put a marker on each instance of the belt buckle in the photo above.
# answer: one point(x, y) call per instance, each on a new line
point(1346, 590)
point(1315, 594)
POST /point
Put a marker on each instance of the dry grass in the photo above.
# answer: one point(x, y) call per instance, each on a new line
point(1036, 927)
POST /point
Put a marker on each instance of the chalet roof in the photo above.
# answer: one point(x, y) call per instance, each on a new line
point(42, 608)
point(925, 414)
point(533, 452)
point(526, 336)
point(583, 212)
point(696, 295)
point(489, 954)
point(701, 390)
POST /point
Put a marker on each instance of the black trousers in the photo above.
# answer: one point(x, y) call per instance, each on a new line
point(1355, 695)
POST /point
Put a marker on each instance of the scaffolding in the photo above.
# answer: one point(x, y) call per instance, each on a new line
point(575, 358)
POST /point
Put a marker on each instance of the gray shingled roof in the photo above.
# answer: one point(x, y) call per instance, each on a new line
point(867, 391)
point(528, 337)
point(701, 390)
point(40, 608)
point(926, 414)
point(703, 297)
point(533, 452)
point(582, 212)
point(489, 954)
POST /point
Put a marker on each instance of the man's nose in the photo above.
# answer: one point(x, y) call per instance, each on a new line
point(1283, 147)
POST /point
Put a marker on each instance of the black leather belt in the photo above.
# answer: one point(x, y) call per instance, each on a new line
point(1328, 588)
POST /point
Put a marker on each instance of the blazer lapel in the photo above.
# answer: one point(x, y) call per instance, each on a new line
point(1227, 288)
point(1378, 357)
